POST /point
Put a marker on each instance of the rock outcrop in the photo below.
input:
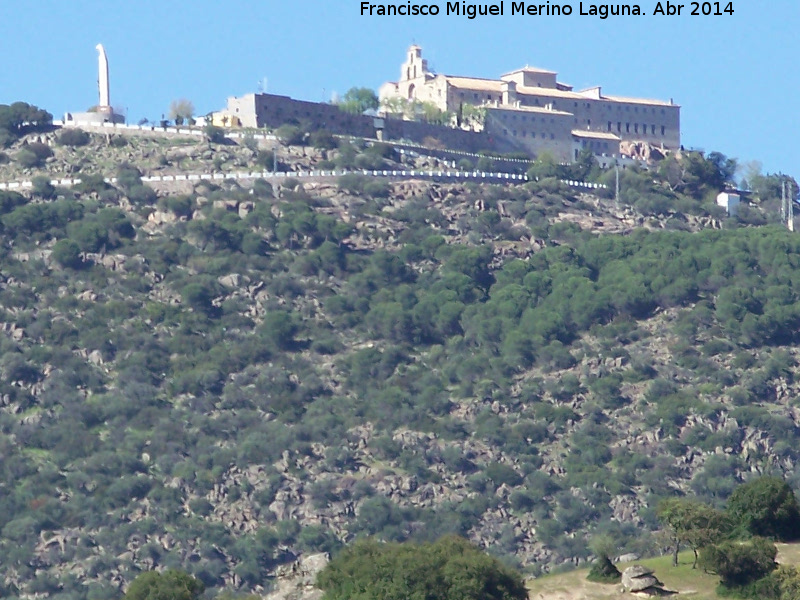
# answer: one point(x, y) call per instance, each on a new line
point(296, 581)
point(639, 579)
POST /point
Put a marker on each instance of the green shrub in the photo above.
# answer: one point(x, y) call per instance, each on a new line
point(604, 571)
point(502, 474)
point(73, 137)
point(262, 189)
point(465, 164)
point(33, 155)
point(290, 135)
point(171, 584)
point(43, 188)
point(10, 200)
point(266, 159)
point(214, 135)
point(739, 564)
point(353, 183)
point(322, 140)
point(67, 254)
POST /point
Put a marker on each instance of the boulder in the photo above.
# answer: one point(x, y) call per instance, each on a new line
point(638, 579)
point(627, 558)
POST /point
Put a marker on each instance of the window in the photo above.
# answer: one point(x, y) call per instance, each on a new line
point(652, 129)
point(627, 127)
point(475, 96)
point(636, 128)
point(619, 127)
point(609, 125)
point(663, 131)
point(552, 136)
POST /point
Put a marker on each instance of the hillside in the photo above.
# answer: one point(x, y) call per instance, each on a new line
point(221, 376)
point(687, 582)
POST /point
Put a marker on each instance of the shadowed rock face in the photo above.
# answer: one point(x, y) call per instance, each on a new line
point(638, 578)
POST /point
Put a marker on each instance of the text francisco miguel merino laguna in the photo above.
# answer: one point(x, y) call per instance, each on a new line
point(603, 11)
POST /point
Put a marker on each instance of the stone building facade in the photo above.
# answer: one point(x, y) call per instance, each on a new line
point(532, 111)
point(270, 110)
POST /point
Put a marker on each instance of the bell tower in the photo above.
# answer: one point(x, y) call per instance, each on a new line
point(415, 66)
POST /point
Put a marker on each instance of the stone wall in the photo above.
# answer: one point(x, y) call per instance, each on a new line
point(532, 131)
point(448, 137)
point(268, 110)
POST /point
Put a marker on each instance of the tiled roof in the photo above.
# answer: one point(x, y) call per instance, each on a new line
point(595, 135)
point(532, 109)
point(647, 101)
point(475, 83)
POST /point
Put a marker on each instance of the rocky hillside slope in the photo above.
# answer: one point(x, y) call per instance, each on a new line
point(223, 377)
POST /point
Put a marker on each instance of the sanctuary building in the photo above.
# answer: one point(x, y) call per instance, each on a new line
point(530, 110)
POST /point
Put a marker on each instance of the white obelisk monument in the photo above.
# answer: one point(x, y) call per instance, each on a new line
point(102, 81)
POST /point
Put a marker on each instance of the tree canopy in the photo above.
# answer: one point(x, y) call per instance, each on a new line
point(739, 564)
point(692, 523)
point(359, 99)
point(170, 585)
point(449, 569)
point(181, 110)
point(766, 507)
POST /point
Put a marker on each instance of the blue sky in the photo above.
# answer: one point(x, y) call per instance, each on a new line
point(734, 76)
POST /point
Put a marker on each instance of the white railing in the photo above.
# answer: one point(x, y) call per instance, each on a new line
point(396, 174)
point(12, 185)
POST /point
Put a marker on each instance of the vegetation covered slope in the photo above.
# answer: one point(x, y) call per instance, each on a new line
point(218, 378)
